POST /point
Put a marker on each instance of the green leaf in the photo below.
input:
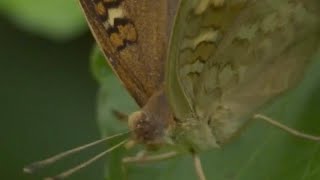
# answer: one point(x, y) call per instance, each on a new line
point(58, 19)
point(261, 152)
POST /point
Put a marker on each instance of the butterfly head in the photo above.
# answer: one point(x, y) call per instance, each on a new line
point(147, 129)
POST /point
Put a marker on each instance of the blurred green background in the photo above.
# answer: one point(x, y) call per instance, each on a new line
point(49, 96)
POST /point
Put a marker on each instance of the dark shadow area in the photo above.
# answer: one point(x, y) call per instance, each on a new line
point(47, 102)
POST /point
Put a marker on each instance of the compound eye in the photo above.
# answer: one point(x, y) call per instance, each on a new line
point(134, 118)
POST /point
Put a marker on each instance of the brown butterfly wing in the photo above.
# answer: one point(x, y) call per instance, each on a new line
point(133, 36)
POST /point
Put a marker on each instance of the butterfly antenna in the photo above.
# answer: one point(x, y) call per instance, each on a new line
point(286, 128)
point(41, 164)
point(69, 172)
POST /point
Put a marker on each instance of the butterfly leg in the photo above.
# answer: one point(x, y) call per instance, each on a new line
point(198, 166)
point(142, 157)
point(286, 128)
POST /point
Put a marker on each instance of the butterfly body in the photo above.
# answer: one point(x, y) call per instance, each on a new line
point(209, 91)
point(224, 60)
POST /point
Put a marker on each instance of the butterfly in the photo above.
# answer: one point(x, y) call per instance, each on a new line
point(201, 69)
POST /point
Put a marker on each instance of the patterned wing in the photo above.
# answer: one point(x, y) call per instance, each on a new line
point(231, 57)
point(200, 26)
point(133, 36)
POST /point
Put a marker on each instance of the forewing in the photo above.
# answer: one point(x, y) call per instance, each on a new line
point(133, 36)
